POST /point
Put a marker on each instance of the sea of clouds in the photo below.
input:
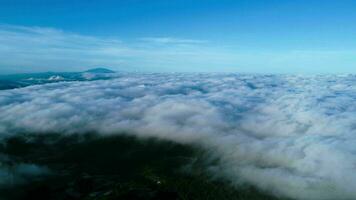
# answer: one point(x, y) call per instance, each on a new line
point(293, 136)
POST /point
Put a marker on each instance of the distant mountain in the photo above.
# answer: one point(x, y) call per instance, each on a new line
point(22, 80)
point(100, 70)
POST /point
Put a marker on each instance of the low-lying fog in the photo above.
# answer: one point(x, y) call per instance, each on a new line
point(293, 136)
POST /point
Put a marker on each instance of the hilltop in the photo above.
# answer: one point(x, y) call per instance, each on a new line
point(100, 70)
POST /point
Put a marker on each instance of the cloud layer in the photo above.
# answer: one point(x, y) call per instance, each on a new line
point(293, 136)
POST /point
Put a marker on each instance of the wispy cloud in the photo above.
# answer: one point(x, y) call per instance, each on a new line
point(44, 49)
point(38, 48)
point(171, 40)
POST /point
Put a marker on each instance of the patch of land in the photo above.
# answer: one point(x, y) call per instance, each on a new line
point(116, 167)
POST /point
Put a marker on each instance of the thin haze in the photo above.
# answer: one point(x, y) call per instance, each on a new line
point(270, 36)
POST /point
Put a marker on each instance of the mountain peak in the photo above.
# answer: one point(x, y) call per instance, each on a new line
point(100, 70)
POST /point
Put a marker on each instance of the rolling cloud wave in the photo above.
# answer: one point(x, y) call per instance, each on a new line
point(293, 136)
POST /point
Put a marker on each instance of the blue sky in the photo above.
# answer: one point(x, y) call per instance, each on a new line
point(257, 36)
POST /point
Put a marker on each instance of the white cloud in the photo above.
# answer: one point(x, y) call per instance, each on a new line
point(290, 135)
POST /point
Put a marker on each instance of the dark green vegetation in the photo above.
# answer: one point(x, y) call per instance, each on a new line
point(117, 167)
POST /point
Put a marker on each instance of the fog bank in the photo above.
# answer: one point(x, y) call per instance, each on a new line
point(293, 136)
